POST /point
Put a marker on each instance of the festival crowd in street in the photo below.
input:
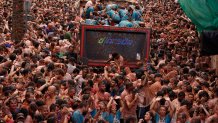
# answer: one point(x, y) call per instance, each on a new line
point(43, 80)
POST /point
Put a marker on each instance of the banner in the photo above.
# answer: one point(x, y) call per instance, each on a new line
point(203, 13)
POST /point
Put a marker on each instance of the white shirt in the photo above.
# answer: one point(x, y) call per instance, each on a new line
point(70, 68)
point(88, 4)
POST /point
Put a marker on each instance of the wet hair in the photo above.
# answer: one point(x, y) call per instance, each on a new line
point(40, 103)
point(31, 85)
point(60, 102)
point(164, 90)
point(197, 89)
point(172, 95)
point(1, 59)
point(50, 67)
point(60, 71)
point(162, 101)
point(71, 83)
point(195, 120)
point(139, 73)
point(131, 119)
point(24, 111)
point(82, 104)
point(25, 71)
point(163, 106)
point(160, 93)
point(75, 105)
point(35, 44)
point(12, 99)
point(91, 83)
point(53, 107)
point(214, 120)
point(216, 91)
point(181, 94)
point(183, 115)
point(201, 111)
point(51, 118)
point(187, 103)
point(33, 107)
point(41, 82)
point(115, 56)
point(3, 72)
point(193, 73)
point(189, 88)
point(206, 84)
point(85, 97)
point(101, 121)
point(165, 82)
point(76, 71)
point(203, 94)
point(129, 85)
point(185, 70)
point(39, 118)
point(12, 56)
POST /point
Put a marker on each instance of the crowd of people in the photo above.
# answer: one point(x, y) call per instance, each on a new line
point(42, 79)
point(111, 14)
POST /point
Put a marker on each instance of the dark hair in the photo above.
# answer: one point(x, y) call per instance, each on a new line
point(24, 111)
point(152, 116)
point(129, 85)
point(164, 90)
point(50, 67)
point(40, 103)
point(189, 88)
point(165, 82)
point(185, 70)
point(41, 81)
point(12, 56)
point(163, 107)
point(195, 120)
point(12, 99)
point(60, 102)
point(18, 51)
point(203, 94)
point(25, 71)
point(101, 121)
point(51, 118)
point(33, 107)
point(181, 94)
point(71, 83)
point(160, 93)
point(60, 71)
point(3, 72)
point(206, 84)
point(162, 101)
point(53, 107)
point(187, 103)
point(157, 75)
point(2, 59)
point(39, 118)
point(131, 119)
point(115, 56)
point(193, 73)
point(75, 105)
point(172, 95)
point(82, 104)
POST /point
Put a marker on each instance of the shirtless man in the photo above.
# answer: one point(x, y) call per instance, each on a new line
point(50, 97)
